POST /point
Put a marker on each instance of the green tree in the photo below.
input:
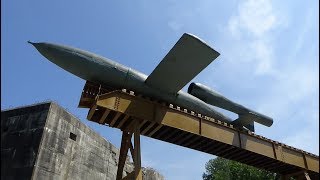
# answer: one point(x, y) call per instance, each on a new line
point(220, 168)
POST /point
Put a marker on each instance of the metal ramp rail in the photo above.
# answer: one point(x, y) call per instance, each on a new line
point(135, 114)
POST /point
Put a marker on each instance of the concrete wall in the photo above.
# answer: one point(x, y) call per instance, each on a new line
point(44, 141)
point(21, 131)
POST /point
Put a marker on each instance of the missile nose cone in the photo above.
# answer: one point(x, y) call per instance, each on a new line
point(36, 45)
point(57, 54)
point(32, 43)
point(46, 50)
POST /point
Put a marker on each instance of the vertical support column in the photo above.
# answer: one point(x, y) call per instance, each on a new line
point(125, 144)
point(137, 154)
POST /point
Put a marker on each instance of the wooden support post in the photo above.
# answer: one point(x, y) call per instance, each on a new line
point(125, 144)
point(137, 154)
point(131, 151)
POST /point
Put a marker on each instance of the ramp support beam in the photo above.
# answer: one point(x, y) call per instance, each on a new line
point(135, 150)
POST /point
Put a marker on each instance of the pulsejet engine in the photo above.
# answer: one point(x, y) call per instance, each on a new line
point(246, 116)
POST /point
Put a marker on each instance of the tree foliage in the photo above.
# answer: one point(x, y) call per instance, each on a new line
point(220, 168)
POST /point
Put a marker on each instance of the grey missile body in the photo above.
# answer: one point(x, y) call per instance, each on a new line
point(95, 68)
point(98, 69)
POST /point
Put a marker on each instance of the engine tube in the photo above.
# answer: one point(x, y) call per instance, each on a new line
point(214, 98)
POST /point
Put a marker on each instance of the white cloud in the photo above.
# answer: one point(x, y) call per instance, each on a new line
point(251, 27)
point(290, 94)
point(263, 55)
point(255, 17)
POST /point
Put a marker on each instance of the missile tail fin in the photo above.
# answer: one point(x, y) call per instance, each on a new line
point(250, 126)
point(245, 120)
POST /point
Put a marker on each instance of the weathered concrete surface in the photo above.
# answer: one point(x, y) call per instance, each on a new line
point(44, 141)
point(21, 131)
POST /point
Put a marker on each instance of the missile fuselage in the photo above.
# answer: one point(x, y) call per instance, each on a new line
point(98, 69)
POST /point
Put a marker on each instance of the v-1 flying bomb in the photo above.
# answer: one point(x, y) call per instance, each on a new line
point(188, 57)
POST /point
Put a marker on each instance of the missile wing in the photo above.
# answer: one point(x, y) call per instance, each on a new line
point(188, 57)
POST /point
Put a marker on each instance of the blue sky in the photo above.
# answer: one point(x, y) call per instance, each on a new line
point(269, 60)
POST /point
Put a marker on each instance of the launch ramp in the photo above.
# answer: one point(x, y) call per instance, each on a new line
point(134, 113)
